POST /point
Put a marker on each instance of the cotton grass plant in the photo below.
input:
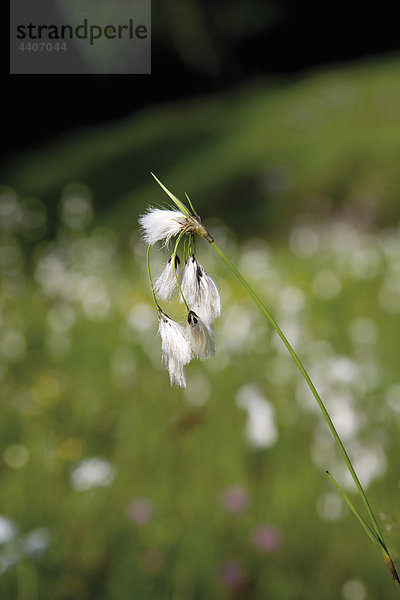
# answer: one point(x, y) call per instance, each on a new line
point(197, 291)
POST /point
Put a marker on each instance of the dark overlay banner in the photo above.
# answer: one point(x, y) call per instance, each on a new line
point(80, 36)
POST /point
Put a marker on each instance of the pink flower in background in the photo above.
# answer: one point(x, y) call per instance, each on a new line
point(267, 538)
point(232, 575)
point(235, 499)
point(140, 511)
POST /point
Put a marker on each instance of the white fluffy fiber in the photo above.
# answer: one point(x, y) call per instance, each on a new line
point(166, 284)
point(201, 337)
point(174, 342)
point(200, 291)
point(175, 348)
point(176, 372)
point(158, 224)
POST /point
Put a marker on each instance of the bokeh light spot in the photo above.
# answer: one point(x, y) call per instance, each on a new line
point(16, 456)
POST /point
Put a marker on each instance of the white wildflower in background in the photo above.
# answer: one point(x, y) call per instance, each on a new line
point(36, 542)
point(200, 291)
point(166, 284)
point(197, 290)
point(90, 473)
point(8, 529)
point(201, 337)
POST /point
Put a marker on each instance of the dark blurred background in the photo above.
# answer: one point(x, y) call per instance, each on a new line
point(200, 47)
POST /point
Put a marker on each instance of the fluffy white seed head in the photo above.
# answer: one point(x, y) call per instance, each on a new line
point(176, 351)
point(176, 372)
point(158, 224)
point(174, 341)
point(200, 291)
point(166, 283)
point(201, 337)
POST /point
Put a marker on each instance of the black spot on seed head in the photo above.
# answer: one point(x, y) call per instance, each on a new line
point(192, 318)
point(199, 273)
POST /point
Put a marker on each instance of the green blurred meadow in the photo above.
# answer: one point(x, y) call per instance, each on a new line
point(116, 486)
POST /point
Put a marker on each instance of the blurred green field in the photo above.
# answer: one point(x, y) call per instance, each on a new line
point(321, 143)
point(116, 486)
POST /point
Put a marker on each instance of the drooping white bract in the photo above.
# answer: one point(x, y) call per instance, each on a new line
point(175, 348)
point(200, 291)
point(166, 283)
point(158, 224)
point(201, 337)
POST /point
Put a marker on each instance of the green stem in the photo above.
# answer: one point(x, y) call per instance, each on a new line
point(194, 211)
point(378, 542)
point(355, 512)
point(150, 280)
point(310, 385)
point(176, 274)
point(192, 245)
point(185, 251)
point(378, 539)
point(264, 310)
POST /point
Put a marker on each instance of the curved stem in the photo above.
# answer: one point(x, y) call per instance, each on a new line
point(176, 274)
point(310, 384)
point(185, 250)
point(150, 280)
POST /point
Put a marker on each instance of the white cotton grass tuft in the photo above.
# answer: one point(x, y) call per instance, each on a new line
point(159, 224)
point(200, 291)
point(176, 372)
point(201, 337)
point(197, 290)
point(174, 342)
point(176, 351)
point(166, 284)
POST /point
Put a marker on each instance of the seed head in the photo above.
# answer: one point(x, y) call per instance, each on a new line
point(176, 372)
point(197, 289)
point(176, 351)
point(166, 283)
point(200, 291)
point(201, 337)
point(158, 224)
